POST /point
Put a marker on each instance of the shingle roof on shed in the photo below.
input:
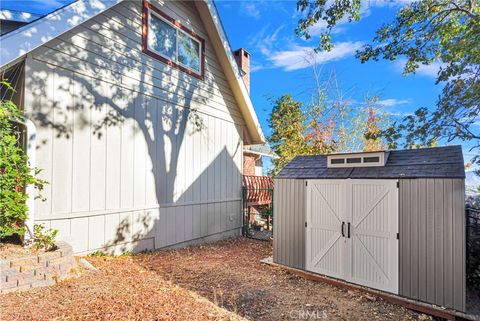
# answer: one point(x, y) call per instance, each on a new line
point(436, 162)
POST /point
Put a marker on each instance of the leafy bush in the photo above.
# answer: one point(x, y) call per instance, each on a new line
point(97, 253)
point(44, 239)
point(15, 173)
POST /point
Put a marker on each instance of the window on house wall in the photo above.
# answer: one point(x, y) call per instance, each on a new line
point(167, 40)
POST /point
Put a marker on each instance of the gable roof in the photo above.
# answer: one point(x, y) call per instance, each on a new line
point(437, 162)
point(16, 44)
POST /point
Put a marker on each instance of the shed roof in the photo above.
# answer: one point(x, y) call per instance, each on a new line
point(436, 162)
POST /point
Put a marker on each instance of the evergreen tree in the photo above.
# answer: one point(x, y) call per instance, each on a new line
point(287, 125)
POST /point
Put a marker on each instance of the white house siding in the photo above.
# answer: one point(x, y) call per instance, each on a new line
point(137, 154)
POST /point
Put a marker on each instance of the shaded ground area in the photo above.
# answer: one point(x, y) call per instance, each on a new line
point(223, 281)
point(261, 235)
point(120, 290)
point(230, 274)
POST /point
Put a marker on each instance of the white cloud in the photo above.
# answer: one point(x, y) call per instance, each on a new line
point(430, 70)
point(255, 67)
point(393, 102)
point(321, 26)
point(264, 42)
point(388, 3)
point(299, 57)
point(366, 6)
point(397, 107)
point(401, 113)
point(251, 9)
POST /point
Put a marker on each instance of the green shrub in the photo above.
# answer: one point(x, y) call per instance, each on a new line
point(97, 253)
point(44, 239)
point(15, 173)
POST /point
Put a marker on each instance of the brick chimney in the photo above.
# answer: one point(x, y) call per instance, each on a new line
point(242, 57)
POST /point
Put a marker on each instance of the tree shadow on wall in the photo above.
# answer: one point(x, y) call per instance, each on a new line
point(104, 82)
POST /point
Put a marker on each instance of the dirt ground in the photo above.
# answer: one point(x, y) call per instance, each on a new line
point(221, 281)
point(11, 251)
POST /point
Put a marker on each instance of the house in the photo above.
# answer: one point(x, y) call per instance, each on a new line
point(253, 159)
point(137, 116)
point(258, 188)
point(393, 221)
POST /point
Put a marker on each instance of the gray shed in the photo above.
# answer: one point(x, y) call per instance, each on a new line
point(392, 221)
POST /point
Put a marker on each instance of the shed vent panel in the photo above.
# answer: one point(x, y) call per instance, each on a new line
point(356, 160)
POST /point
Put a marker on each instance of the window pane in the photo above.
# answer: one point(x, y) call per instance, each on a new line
point(162, 37)
point(188, 52)
point(374, 159)
point(337, 161)
point(354, 160)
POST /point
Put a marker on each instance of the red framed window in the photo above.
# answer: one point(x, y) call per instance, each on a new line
point(167, 40)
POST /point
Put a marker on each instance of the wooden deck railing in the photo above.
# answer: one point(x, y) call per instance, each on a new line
point(258, 190)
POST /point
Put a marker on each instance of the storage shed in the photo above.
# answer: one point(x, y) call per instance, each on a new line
point(390, 220)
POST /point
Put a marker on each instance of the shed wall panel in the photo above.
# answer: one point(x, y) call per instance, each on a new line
point(432, 246)
point(289, 220)
point(430, 186)
point(414, 235)
point(422, 239)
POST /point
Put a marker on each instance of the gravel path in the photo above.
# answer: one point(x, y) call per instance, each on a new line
point(221, 281)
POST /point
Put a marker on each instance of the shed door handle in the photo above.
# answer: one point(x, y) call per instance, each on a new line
point(348, 229)
point(343, 231)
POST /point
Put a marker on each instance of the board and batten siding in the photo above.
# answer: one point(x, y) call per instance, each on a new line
point(432, 241)
point(289, 222)
point(137, 154)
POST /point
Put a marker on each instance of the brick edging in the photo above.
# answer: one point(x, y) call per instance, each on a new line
point(33, 271)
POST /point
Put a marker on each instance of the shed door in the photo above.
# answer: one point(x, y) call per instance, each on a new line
point(373, 216)
point(325, 212)
point(366, 252)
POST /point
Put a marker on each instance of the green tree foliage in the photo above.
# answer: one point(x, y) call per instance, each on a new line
point(287, 138)
point(324, 126)
point(15, 173)
point(423, 32)
point(371, 139)
point(319, 126)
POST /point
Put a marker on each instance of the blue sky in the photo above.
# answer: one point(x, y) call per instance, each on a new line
point(266, 30)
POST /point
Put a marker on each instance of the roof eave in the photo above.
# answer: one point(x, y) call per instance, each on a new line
point(260, 153)
point(19, 42)
point(232, 72)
